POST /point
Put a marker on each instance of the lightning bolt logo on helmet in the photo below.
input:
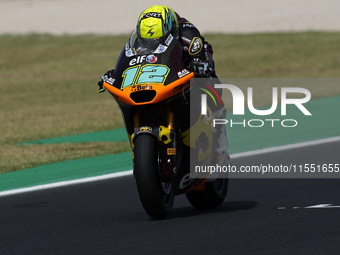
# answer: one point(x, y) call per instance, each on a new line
point(150, 33)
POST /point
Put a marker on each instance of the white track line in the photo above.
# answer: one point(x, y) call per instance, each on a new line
point(129, 172)
point(285, 147)
point(65, 183)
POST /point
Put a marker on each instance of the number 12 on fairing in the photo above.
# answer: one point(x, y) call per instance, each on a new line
point(146, 74)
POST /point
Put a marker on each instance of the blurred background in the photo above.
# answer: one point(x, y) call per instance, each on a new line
point(119, 17)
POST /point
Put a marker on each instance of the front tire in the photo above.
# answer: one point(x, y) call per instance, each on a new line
point(157, 197)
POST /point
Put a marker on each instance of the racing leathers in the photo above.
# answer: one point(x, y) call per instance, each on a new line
point(197, 53)
point(197, 57)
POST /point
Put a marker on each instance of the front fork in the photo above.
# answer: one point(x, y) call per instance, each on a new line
point(166, 153)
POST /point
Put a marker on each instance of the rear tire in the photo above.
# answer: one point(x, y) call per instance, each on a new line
point(157, 197)
point(211, 197)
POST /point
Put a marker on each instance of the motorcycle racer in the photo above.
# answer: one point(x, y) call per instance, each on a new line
point(157, 22)
point(154, 26)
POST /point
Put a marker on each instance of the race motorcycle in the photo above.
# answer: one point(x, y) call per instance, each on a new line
point(152, 88)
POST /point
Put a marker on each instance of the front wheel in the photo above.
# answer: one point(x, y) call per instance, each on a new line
point(157, 197)
point(211, 197)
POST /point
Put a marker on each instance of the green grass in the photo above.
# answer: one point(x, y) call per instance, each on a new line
point(280, 55)
point(48, 84)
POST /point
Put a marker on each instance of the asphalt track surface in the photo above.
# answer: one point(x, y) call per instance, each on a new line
point(259, 216)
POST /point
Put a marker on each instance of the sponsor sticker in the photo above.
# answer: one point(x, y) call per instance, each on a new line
point(195, 46)
point(144, 130)
point(180, 87)
point(152, 15)
point(183, 73)
point(171, 151)
point(129, 53)
point(151, 59)
point(188, 24)
point(135, 88)
point(161, 48)
point(137, 60)
point(110, 81)
point(169, 39)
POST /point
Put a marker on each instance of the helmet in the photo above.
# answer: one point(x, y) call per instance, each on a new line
point(157, 22)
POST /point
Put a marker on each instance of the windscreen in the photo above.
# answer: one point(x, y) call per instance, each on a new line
point(146, 46)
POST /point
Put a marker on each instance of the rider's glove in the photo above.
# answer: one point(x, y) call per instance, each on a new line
point(105, 77)
point(200, 67)
point(101, 86)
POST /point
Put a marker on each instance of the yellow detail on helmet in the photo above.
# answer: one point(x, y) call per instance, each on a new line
point(151, 28)
point(156, 22)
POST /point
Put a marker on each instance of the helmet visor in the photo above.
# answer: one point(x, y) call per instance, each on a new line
point(144, 46)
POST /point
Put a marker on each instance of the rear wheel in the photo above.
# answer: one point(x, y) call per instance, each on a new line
point(211, 197)
point(157, 197)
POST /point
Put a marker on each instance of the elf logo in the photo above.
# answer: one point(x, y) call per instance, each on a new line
point(140, 59)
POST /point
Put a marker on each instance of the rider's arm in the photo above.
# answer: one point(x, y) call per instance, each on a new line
point(197, 51)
